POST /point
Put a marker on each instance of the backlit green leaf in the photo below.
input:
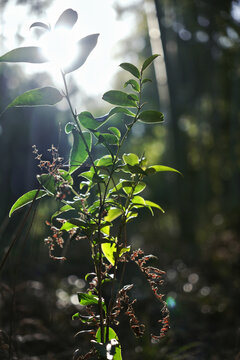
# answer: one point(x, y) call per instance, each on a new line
point(29, 54)
point(133, 97)
point(151, 116)
point(131, 159)
point(115, 132)
point(129, 187)
point(107, 139)
point(138, 200)
point(63, 209)
point(132, 215)
point(148, 61)
point(26, 199)
point(48, 182)
point(85, 47)
point(87, 120)
point(113, 213)
point(73, 223)
point(110, 251)
point(112, 335)
point(104, 161)
point(116, 97)
point(159, 168)
point(87, 299)
point(69, 127)
point(134, 84)
point(118, 110)
point(37, 97)
point(88, 174)
point(124, 250)
point(131, 68)
point(79, 153)
point(146, 80)
point(153, 204)
point(135, 169)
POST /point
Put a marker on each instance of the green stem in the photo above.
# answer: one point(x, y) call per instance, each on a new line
point(97, 262)
point(123, 219)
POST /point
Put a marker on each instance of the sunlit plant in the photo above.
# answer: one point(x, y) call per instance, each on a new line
point(105, 197)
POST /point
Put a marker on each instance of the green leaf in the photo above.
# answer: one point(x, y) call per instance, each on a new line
point(76, 316)
point(132, 215)
point(135, 169)
point(112, 335)
point(85, 47)
point(159, 168)
point(88, 121)
point(87, 299)
point(76, 204)
point(79, 154)
point(26, 199)
point(151, 116)
point(115, 131)
point(63, 209)
point(105, 160)
point(69, 127)
point(146, 80)
point(73, 223)
point(118, 110)
point(29, 54)
point(83, 319)
point(133, 97)
point(138, 200)
point(153, 204)
point(97, 178)
point(124, 250)
point(113, 213)
point(106, 139)
point(135, 85)
point(131, 159)
point(110, 251)
point(128, 187)
point(131, 68)
point(88, 174)
point(148, 61)
point(37, 97)
point(116, 97)
point(48, 182)
point(67, 19)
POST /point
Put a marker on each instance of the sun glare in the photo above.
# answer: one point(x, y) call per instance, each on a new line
point(59, 47)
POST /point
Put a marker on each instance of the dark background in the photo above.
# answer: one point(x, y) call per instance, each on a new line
point(196, 241)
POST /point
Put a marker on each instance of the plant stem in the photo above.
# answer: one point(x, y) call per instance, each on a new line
point(123, 219)
point(97, 261)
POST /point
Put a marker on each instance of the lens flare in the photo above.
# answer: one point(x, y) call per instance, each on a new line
point(171, 302)
point(59, 47)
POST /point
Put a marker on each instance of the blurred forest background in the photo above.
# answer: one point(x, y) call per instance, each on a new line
point(197, 82)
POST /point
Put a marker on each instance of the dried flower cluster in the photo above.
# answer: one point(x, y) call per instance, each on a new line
point(51, 167)
point(154, 278)
point(51, 241)
point(123, 301)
